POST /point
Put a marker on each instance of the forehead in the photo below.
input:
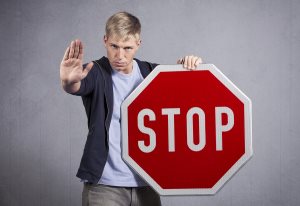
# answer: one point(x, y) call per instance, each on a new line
point(128, 40)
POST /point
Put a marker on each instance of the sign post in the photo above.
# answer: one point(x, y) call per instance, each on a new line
point(186, 132)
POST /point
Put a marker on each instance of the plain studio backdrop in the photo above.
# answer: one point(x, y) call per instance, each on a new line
point(255, 43)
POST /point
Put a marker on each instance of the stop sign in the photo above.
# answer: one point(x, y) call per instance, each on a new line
point(186, 132)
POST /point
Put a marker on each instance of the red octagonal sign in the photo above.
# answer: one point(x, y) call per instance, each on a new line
point(186, 132)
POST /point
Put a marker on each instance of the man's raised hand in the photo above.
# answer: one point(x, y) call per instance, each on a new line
point(71, 69)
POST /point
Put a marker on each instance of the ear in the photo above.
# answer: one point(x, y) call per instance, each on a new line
point(105, 40)
point(138, 42)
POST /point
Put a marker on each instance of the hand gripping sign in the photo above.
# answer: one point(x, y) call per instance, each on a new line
point(186, 132)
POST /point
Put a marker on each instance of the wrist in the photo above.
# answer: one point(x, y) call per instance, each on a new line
point(70, 87)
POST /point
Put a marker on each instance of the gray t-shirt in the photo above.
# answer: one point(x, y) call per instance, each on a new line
point(116, 172)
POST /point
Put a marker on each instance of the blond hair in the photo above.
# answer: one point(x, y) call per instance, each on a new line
point(123, 25)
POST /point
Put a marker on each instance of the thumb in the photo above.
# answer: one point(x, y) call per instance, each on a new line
point(87, 69)
point(179, 61)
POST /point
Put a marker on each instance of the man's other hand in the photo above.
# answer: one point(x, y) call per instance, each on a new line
point(190, 62)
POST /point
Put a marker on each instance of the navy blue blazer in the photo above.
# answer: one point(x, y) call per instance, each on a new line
point(97, 97)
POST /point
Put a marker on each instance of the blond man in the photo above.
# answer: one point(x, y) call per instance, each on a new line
point(103, 85)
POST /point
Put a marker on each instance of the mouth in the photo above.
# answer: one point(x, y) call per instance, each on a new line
point(119, 64)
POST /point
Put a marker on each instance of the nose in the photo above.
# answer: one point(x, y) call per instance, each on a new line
point(120, 53)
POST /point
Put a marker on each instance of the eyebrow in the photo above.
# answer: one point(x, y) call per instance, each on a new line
point(112, 44)
point(126, 47)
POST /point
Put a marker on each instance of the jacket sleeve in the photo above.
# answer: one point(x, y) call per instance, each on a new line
point(88, 83)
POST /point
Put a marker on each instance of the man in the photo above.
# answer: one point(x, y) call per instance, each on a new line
point(103, 85)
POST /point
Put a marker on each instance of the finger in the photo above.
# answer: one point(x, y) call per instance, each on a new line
point(76, 49)
point(194, 60)
point(66, 55)
point(198, 61)
point(185, 62)
point(71, 53)
point(87, 69)
point(190, 62)
point(80, 55)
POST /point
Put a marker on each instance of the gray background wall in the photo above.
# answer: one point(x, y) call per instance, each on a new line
point(42, 129)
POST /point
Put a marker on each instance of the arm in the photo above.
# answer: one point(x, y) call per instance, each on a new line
point(71, 69)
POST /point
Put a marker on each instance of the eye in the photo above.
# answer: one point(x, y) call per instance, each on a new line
point(128, 48)
point(114, 46)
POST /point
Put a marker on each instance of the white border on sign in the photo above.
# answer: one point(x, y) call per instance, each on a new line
point(248, 131)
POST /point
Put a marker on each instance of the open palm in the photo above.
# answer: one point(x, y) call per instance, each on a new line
point(71, 69)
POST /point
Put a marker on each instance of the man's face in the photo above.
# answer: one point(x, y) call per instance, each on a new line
point(120, 52)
